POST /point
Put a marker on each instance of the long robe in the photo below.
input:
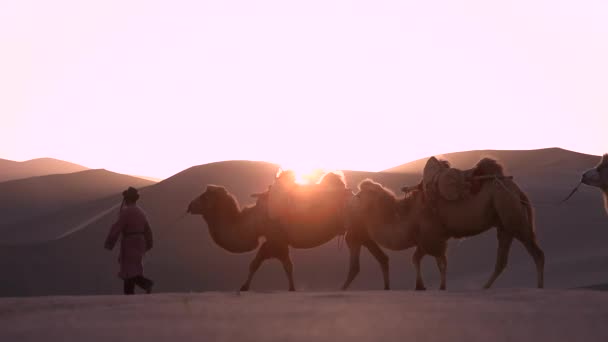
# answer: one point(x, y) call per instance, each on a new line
point(136, 239)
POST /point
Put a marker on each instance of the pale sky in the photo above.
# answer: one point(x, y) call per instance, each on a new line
point(154, 87)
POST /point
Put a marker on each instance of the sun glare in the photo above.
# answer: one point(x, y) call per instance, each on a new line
point(304, 175)
point(300, 179)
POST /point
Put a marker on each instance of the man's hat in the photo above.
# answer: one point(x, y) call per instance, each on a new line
point(130, 194)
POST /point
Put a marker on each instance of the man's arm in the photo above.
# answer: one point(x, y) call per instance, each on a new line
point(149, 237)
point(115, 231)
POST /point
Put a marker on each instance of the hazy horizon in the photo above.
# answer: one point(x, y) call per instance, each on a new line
point(152, 88)
point(310, 172)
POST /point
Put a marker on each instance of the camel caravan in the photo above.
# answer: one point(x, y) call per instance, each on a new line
point(447, 203)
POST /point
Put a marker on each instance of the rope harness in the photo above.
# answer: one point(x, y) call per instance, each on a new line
point(545, 204)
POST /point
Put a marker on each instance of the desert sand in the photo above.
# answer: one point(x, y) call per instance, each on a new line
point(494, 315)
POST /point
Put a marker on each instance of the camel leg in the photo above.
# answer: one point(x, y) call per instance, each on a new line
point(502, 256)
point(354, 247)
point(253, 267)
point(288, 267)
point(382, 258)
point(416, 259)
point(442, 264)
point(539, 259)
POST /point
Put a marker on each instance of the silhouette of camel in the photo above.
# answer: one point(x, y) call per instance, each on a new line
point(416, 221)
point(287, 215)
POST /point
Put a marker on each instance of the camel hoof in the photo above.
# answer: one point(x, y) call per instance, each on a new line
point(420, 288)
point(442, 288)
point(244, 288)
point(291, 289)
point(387, 288)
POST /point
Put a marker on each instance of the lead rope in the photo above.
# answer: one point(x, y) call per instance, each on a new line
point(546, 204)
point(572, 192)
point(179, 218)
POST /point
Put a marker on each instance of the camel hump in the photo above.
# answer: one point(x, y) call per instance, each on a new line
point(439, 179)
point(488, 166)
point(452, 184)
point(431, 169)
point(333, 180)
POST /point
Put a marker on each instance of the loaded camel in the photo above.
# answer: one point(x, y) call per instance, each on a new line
point(287, 215)
point(438, 209)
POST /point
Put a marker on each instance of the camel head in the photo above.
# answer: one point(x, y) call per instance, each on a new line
point(598, 176)
point(208, 200)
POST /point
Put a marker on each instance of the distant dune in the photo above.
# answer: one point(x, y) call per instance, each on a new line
point(10, 170)
point(573, 235)
point(33, 199)
point(523, 162)
point(495, 315)
point(152, 179)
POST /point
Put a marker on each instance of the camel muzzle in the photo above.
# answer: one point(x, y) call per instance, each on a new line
point(591, 178)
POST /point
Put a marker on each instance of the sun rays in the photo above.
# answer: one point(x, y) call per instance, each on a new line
point(303, 174)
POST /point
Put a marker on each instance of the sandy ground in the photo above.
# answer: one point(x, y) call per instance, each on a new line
point(495, 315)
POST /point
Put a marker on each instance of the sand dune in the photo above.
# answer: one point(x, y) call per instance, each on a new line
point(26, 205)
point(10, 170)
point(519, 163)
point(500, 315)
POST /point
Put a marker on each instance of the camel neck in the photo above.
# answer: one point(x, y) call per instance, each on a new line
point(236, 233)
point(220, 217)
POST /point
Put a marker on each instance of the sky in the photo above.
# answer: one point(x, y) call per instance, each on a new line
point(154, 87)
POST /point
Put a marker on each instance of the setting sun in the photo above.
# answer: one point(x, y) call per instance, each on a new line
point(304, 174)
point(301, 179)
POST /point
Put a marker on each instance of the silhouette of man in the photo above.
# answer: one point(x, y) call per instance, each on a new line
point(136, 239)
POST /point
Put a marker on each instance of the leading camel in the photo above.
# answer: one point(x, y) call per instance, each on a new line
point(598, 177)
point(416, 221)
point(288, 215)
